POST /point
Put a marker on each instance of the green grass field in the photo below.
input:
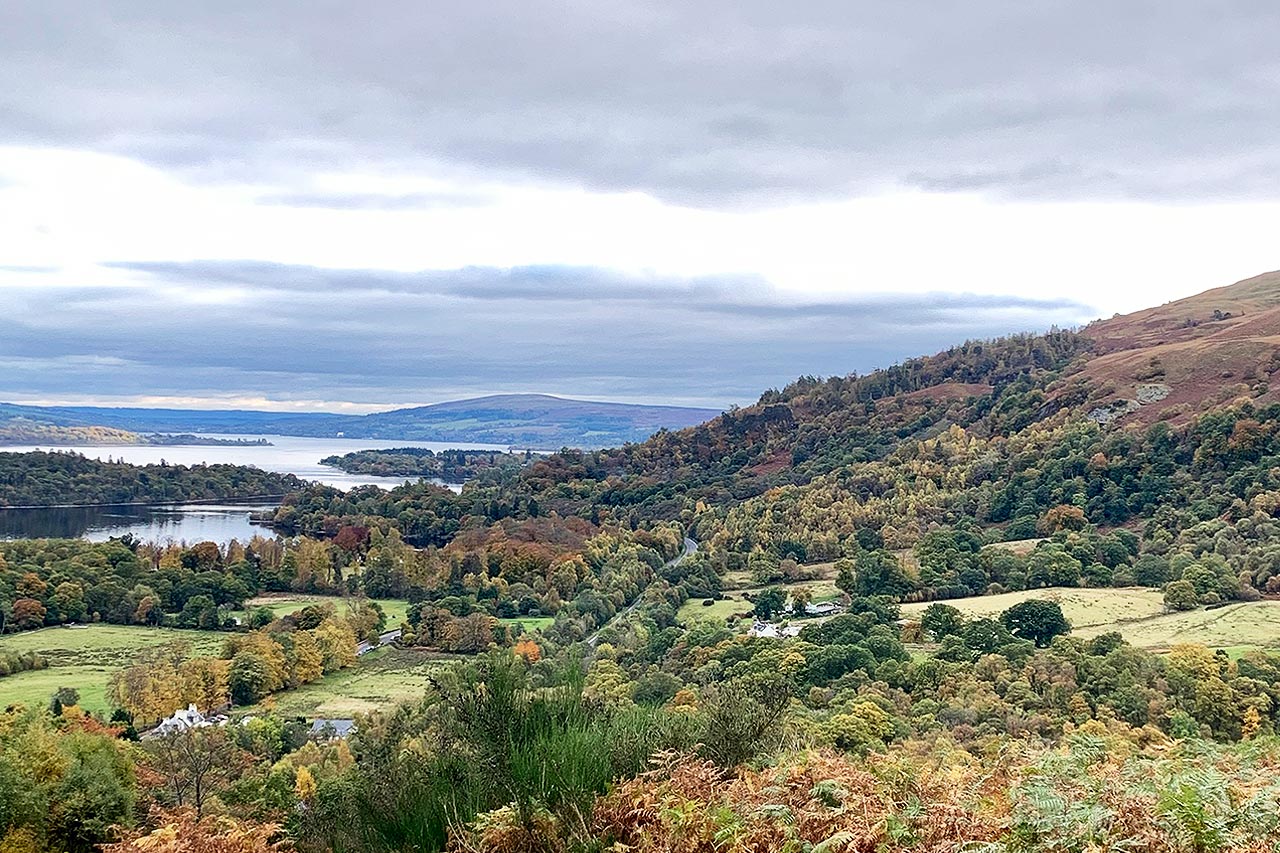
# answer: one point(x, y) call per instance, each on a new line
point(1138, 614)
point(1236, 628)
point(738, 584)
point(530, 623)
point(740, 580)
point(692, 610)
point(381, 678)
point(1084, 608)
point(282, 604)
point(85, 657)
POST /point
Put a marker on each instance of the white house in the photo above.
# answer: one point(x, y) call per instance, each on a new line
point(771, 631)
point(182, 719)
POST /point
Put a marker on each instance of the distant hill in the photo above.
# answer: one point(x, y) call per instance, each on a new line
point(526, 420)
point(535, 420)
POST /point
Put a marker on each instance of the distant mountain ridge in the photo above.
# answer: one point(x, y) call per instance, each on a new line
point(538, 421)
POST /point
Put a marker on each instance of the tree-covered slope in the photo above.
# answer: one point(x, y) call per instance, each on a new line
point(52, 479)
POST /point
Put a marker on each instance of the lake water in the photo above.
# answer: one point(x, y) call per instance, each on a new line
point(178, 522)
point(200, 522)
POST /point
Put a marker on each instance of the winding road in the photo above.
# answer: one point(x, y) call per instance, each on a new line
point(690, 548)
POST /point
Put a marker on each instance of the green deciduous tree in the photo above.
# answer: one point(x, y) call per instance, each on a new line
point(1036, 620)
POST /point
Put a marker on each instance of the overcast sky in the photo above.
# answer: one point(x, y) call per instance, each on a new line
point(347, 206)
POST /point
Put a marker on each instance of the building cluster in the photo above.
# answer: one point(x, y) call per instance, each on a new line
point(190, 717)
point(785, 630)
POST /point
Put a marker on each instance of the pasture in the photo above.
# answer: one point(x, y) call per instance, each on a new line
point(380, 679)
point(693, 610)
point(84, 657)
point(1083, 607)
point(284, 603)
point(1237, 628)
point(738, 584)
point(1138, 614)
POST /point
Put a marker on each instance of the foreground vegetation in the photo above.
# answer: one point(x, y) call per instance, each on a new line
point(834, 741)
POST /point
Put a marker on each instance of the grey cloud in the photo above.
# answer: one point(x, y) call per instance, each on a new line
point(371, 336)
point(719, 103)
point(724, 294)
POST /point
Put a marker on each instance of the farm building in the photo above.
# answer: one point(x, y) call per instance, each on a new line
point(331, 729)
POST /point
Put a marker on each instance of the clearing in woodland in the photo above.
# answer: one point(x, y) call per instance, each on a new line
point(1138, 614)
point(381, 679)
point(85, 656)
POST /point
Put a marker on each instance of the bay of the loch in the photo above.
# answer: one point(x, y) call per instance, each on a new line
point(198, 522)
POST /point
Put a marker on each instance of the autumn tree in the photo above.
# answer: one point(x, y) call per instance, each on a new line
point(305, 659)
point(337, 644)
point(196, 763)
point(1062, 517)
point(801, 598)
point(166, 680)
point(528, 650)
point(28, 613)
point(470, 634)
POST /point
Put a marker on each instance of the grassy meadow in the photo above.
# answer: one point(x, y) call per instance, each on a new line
point(1138, 614)
point(282, 604)
point(693, 610)
point(1236, 628)
point(529, 623)
point(1084, 608)
point(84, 657)
point(380, 679)
point(738, 584)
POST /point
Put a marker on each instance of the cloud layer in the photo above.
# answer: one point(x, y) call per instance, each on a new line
point(295, 332)
point(726, 102)
point(777, 167)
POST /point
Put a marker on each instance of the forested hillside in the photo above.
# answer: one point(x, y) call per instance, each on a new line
point(990, 434)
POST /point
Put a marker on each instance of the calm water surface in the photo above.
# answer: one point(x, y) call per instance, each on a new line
point(178, 522)
point(200, 522)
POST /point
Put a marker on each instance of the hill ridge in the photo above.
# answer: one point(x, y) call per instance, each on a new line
point(542, 421)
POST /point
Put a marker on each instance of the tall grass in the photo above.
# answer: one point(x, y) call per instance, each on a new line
point(490, 739)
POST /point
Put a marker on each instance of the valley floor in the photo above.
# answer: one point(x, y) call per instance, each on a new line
point(85, 657)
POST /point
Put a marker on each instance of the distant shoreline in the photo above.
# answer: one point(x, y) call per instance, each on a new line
point(154, 440)
point(251, 499)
